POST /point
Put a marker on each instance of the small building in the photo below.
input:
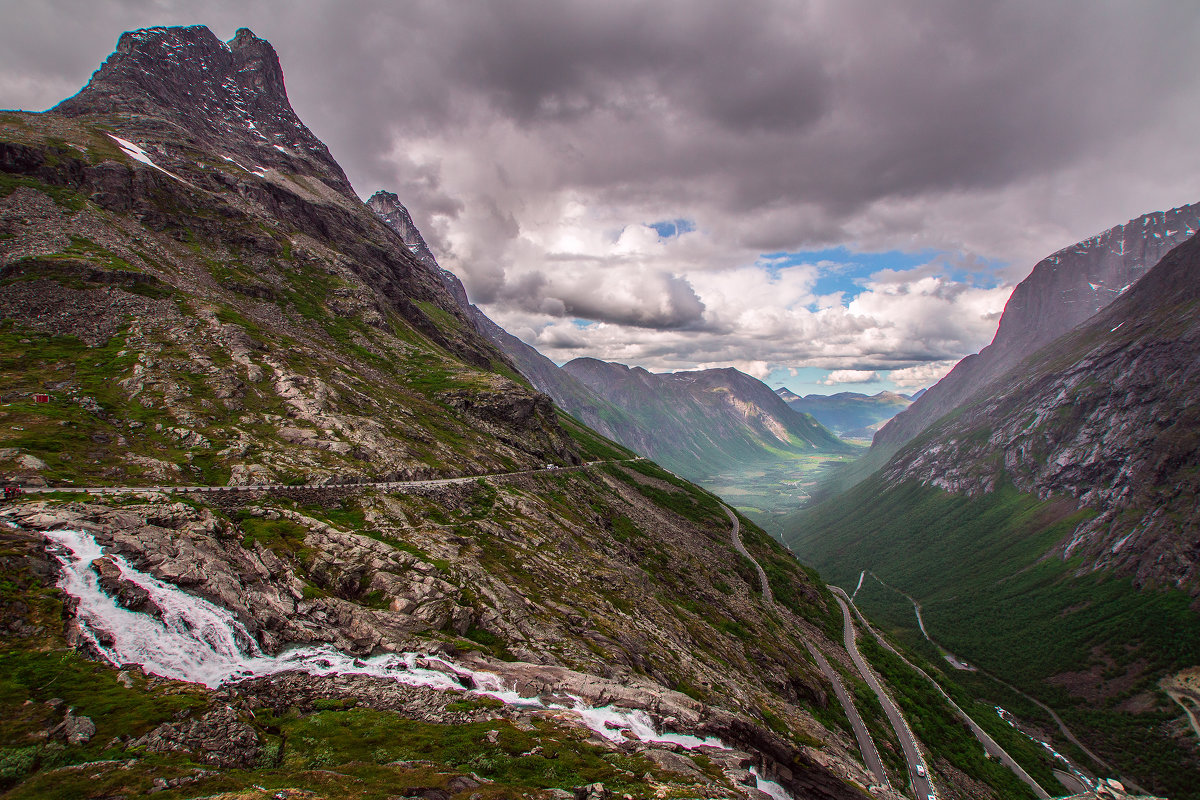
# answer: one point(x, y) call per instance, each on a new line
point(41, 398)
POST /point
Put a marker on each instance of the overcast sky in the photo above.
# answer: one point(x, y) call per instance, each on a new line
point(836, 195)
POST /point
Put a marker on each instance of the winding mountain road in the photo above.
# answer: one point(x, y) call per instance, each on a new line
point(395, 486)
point(989, 744)
point(922, 785)
point(866, 745)
point(959, 664)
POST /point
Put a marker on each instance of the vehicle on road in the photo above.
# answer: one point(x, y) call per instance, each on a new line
point(920, 770)
point(11, 492)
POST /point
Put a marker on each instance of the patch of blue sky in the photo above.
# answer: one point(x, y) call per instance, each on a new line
point(846, 271)
point(669, 228)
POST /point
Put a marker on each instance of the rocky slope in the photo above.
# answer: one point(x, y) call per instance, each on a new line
point(704, 421)
point(1062, 291)
point(188, 278)
point(848, 413)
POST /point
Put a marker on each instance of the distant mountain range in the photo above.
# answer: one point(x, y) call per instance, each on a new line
point(698, 423)
point(695, 423)
point(848, 414)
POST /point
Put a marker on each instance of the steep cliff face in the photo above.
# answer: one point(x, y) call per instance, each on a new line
point(700, 422)
point(1108, 415)
point(1062, 291)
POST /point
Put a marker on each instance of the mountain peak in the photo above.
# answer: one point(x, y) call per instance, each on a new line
point(387, 206)
point(227, 95)
point(391, 211)
point(259, 62)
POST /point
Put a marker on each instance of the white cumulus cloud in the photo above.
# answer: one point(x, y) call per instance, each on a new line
point(850, 376)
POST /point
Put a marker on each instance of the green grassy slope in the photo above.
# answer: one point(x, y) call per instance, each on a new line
point(976, 566)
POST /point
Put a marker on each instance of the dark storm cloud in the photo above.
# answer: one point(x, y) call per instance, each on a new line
point(836, 104)
point(1002, 130)
point(671, 303)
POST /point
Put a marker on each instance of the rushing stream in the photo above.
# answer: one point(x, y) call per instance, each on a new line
point(198, 641)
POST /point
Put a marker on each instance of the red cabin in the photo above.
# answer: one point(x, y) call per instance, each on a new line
point(41, 398)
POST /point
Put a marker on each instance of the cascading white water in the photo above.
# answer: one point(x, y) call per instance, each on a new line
point(198, 641)
point(612, 723)
point(769, 786)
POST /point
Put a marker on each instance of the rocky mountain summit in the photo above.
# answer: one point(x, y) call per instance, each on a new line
point(1063, 290)
point(240, 110)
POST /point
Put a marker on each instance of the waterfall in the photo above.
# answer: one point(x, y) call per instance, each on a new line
point(198, 641)
point(769, 786)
